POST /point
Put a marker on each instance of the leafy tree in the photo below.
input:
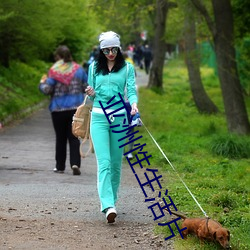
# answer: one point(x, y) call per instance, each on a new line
point(221, 28)
point(126, 17)
point(28, 33)
point(23, 33)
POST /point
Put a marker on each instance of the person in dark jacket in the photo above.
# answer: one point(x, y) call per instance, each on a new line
point(147, 54)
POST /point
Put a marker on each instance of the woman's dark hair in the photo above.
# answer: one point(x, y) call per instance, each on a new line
point(102, 67)
point(63, 52)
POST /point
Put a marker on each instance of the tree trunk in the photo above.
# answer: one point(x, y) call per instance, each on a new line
point(223, 38)
point(201, 99)
point(235, 109)
point(159, 46)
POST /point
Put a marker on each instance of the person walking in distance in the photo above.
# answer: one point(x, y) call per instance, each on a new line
point(65, 83)
point(108, 76)
point(147, 54)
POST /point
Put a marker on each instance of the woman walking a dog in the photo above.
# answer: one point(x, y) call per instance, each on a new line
point(108, 76)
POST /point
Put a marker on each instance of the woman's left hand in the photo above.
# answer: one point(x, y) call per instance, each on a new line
point(134, 109)
point(90, 91)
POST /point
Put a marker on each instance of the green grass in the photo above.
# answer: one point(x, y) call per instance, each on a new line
point(214, 164)
point(19, 87)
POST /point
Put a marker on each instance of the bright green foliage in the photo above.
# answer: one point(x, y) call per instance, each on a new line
point(19, 88)
point(127, 17)
point(32, 30)
point(175, 25)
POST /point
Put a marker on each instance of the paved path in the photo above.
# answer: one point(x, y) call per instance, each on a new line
point(141, 78)
point(31, 191)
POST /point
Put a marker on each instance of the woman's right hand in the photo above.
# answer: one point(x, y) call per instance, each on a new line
point(90, 91)
point(134, 109)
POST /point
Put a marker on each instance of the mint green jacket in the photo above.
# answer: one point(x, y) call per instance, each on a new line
point(106, 86)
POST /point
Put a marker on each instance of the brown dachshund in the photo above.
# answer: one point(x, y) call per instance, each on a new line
point(205, 229)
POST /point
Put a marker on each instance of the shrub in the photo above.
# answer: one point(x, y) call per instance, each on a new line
point(231, 146)
point(223, 200)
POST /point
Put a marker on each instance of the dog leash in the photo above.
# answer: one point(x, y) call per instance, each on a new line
point(175, 170)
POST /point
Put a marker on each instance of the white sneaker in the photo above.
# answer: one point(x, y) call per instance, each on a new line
point(130, 156)
point(111, 214)
point(58, 171)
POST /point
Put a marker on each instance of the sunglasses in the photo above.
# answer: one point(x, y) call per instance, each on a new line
point(106, 51)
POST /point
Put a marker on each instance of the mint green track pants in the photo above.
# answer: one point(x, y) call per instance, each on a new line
point(108, 156)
